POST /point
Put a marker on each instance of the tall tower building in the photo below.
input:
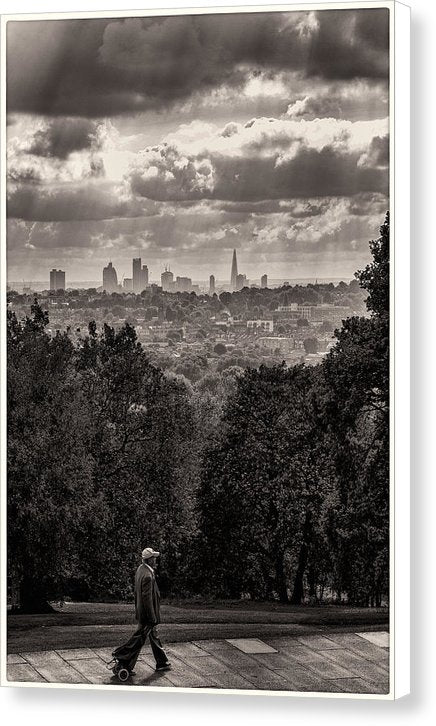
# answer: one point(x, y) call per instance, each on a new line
point(167, 281)
point(264, 281)
point(234, 273)
point(110, 279)
point(211, 284)
point(57, 280)
point(241, 282)
point(137, 275)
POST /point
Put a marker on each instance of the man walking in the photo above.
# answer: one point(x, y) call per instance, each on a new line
point(147, 607)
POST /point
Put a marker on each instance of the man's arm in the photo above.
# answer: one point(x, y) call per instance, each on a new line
point(147, 600)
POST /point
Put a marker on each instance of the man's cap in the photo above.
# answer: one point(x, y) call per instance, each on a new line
point(149, 552)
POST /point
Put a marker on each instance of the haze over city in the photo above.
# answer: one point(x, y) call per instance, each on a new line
point(139, 137)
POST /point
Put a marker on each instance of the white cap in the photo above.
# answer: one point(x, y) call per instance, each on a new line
point(149, 552)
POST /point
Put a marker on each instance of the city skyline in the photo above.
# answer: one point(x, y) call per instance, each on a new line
point(139, 137)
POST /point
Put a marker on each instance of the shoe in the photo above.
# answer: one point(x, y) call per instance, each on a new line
point(164, 667)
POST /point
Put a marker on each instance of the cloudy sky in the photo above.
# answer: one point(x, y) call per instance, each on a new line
point(179, 138)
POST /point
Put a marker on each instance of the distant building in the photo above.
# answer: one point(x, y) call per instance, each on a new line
point(211, 284)
point(264, 281)
point(295, 311)
point(110, 279)
point(293, 307)
point(234, 273)
point(57, 280)
point(128, 284)
point(136, 274)
point(183, 284)
point(332, 313)
point(285, 345)
point(265, 325)
point(167, 281)
point(139, 275)
point(241, 282)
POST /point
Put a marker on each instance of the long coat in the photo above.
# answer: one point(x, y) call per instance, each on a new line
point(147, 597)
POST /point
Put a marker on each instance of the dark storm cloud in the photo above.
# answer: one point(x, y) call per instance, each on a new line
point(310, 173)
point(85, 203)
point(378, 152)
point(99, 67)
point(350, 44)
point(62, 136)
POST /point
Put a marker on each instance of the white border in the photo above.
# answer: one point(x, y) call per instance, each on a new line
point(399, 336)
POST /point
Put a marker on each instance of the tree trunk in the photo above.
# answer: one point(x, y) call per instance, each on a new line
point(281, 580)
point(298, 591)
point(312, 584)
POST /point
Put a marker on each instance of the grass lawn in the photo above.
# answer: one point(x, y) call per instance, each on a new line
point(78, 625)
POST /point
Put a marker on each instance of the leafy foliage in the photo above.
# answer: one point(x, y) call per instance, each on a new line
point(267, 480)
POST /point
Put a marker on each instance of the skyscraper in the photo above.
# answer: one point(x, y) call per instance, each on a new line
point(211, 284)
point(110, 279)
point(241, 281)
point(139, 275)
point(136, 274)
point(264, 281)
point(144, 276)
point(57, 280)
point(167, 281)
point(183, 284)
point(234, 273)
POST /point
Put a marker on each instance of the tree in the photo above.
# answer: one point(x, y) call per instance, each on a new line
point(142, 439)
point(220, 349)
point(375, 277)
point(50, 495)
point(261, 486)
point(356, 401)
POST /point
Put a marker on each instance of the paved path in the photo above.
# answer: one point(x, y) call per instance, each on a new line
point(332, 662)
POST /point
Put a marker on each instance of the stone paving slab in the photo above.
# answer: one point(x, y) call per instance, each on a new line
point(353, 685)
point(251, 645)
point(212, 645)
point(181, 649)
point(53, 668)
point(279, 643)
point(104, 653)
point(24, 673)
point(76, 653)
point(232, 680)
point(332, 663)
point(381, 639)
point(359, 645)
point(93, 669)
point(236, 660)
point(318, 663)
point(317, 642)
point(183, 678)
point(303, 679)
point(265, 679)
point(208, 665)
point(275, 661)
point(357, 665)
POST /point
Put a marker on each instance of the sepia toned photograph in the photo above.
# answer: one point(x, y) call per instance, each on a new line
point(198, 350)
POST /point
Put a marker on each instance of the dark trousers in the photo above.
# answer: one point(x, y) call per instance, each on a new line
point(128, 653)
